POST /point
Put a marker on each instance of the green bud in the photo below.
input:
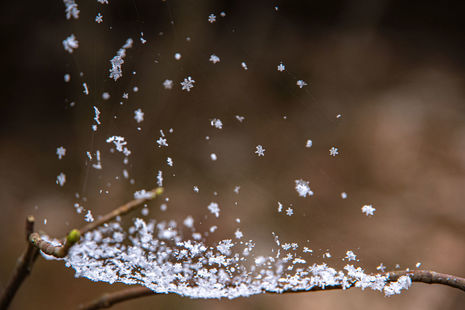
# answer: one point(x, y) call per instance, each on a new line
point(73, 236)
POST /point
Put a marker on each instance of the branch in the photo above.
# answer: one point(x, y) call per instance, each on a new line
point(74, 235)
point(23, 267)
point(425, 276)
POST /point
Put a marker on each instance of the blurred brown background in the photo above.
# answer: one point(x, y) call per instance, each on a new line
point(392, 69)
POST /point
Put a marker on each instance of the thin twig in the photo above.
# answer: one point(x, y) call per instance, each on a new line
point(74, 235)
point(23, 268)
point(425, 276)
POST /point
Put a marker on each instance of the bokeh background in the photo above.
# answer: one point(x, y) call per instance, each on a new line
point(393, 70)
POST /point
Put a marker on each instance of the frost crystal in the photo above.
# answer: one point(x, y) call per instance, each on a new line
point(368, 209)
point(302, 187)
point(70, 44)
point(214, 59)
point(61, 151)
point(214, 209)
point(260, 151)
point(187, 84)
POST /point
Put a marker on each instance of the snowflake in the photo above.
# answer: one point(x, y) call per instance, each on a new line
point(350, 256)
point(302, 187)
point(168, 84)
point(162, 142)
point(240, 118)
point(381, 267)
point(214, 59)
point(89, 218)
point(86, 89)
point(214, 209)
point(301, 83)
point(281, 67)
point(139, 115)
point(71, 9)
point(103, 1)
point(117, 61)
point(343, 195)
point(368, 209)
point(99, 18)
point(237, 189)
point(61, 151)
point(160, 178)
point(67, 77)
point(309, 144)
point(244, 66)
point(70, 44)
point(260, 151)
point(211, 18)
point(238, 234)
point(177, 56)
point(125, 96)
point(280, 207)
point(213, 156)
point(61, 179)
point(169, 161)
point(333, 151)
point(289, 211)
point(216, 123)
point(187, 84)
point(196, 189)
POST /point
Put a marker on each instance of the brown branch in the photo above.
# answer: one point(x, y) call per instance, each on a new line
point(23, 267)
point(109, 299)
point(74, 235)
point(425, 276)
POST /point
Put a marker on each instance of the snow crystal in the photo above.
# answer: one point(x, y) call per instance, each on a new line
point(71, 9)
point(213, 156)
point(177, 56)
point(216, 123)
point(333, 151)
point(211, 18)
point(309, 144)
point(302, 187)
point(238, 234)
point(214, 209)
point(89, 217)
point(117, 61)
point(301, 83)
point(61, 179)
point(70, 44)
point(139, 115)
point(187, 84)
point(289, 211)
point(160, 178)
point(214, 59)
point(281, 67)
point(244, 66)
point(260, 151)
point(61, 151)
point(99, 18)
point(168, 84)
point(368, 210)
point(350, 256)
point(169, 161)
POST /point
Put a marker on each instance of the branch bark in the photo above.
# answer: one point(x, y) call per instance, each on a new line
point(23, 267)
point(424, 276)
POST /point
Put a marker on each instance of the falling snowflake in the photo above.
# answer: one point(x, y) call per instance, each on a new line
point(177, 56)
point(368, 210)
point(70, 44)
point(169, 161)
point(301, 83)
point(343, 195)
point(89, 218)
point(281, 67)
point(125, 96)
point(309, 144)
point(240, 118)
point(61, 151)
point(139, 115)
point(302, 187)
point(61, 179)
point(117, 61)
point(289, 211)
point(99, 18)
point(214, 59)
point(160, 178)
point(237, 189)
point(211, 18)
point(187, 84)
point(280, 207)
point(103, 1)
point(350, 256)
point(244, 66)
point(213, 156)
point(333, 151)
point(381, 267)
point(71, 9)
point(214, 209)
point(67, 77)
point(168, 84)
point(238, 234)
point(216, 123)
point(260, 151)
point(196, 189)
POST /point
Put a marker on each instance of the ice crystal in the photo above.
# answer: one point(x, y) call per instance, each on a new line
point(71, 9)
point(139, 115)
point(61, 151)
point(211, 18)
point(303, 188)
point(260, 151)
point(214, 209)
point(214, 59)
point(301, 83)
point(333, 151)
point(281, 67)
point(99, 18)
point(187, 84)
point(368, 210)
point(70, 44)
point(61, 179)
point(117, 61)
point(168, 84)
